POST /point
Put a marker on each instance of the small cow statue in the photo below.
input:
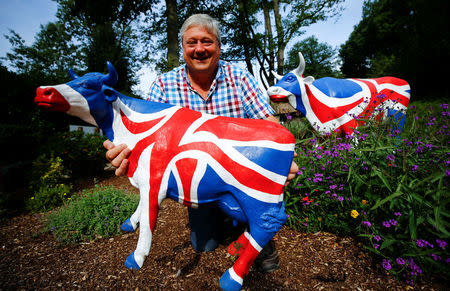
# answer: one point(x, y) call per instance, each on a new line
point(193, 158)
point(332, 104)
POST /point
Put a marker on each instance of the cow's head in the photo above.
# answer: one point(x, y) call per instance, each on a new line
point(87, 97)
point(291, 87)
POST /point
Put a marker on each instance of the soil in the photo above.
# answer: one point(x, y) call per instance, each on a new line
point(31, 259)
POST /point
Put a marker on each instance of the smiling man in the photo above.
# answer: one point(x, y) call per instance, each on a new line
point(207, 84)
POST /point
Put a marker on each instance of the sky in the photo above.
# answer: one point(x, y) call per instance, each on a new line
point(26, 16)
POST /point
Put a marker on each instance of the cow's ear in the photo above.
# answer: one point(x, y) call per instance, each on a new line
point(110, 93)
point(309, 80)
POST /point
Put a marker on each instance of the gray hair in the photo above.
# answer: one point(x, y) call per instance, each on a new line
point(203, 20)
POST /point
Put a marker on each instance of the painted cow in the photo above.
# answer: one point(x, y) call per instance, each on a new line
point(332, 104)
point(193, 158)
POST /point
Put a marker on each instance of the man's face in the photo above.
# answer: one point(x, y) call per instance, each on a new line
point(201, 50)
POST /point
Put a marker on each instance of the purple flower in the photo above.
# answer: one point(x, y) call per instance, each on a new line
point(397, 214)
point(423, 243)
point(386, 264)
point(377, 238)
point(300, 172)
point(435, 257)
point(400, 261)
point(386, 224)
point(444, 106)
point(332, 187)
point(376, 246)
point(442, 244)
point(393, 222)
point(414, 168)
point(366, 223)
point(390, 158)
point(288, 116)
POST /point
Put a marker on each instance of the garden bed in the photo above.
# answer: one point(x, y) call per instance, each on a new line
point(31, 259)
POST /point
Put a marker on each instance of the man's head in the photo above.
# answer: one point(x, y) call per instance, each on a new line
point(201, 43)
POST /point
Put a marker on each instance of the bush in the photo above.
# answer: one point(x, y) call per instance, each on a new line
point(82, 154)
point(97, 212)
point(49, 197)
point(392, 191)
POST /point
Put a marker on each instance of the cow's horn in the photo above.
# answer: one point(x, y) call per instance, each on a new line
point(276, 75)
point(301, 66)
point(111, 78)
point(72, 74)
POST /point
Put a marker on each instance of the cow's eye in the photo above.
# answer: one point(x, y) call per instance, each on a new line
point(290, 78)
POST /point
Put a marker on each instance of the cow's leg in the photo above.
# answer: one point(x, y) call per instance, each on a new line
point(262, 229)
point(147, 223)
point(131, 223)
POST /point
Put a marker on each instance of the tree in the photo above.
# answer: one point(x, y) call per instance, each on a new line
point(320, 58)
point(403, 39)
point(105, 27)
point(48, 58)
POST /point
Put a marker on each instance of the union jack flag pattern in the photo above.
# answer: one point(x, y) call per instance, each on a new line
point(193, 158)
point(332, 104)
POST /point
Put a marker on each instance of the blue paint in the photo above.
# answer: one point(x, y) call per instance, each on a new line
point(227, 283)
point(337, 88)
point(290, 83)
point(130, 263)
point(264, 158)
point(127, 226)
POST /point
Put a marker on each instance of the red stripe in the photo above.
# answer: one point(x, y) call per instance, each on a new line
point(245, 261)
point(247, 130)
point(138, 127)
point(326, 113)
point(186, 169)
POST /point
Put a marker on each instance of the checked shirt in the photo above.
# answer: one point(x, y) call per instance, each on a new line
point(233, 93)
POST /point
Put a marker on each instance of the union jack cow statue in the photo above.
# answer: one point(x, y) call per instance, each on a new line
point(332, 104)
point(193, 158)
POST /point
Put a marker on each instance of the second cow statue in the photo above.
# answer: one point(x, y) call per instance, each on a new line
point(193, 158)
point(332, 104)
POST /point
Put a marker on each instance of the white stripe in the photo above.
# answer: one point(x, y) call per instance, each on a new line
point(78, 104)
point(235, 276)
point(253, 241)
point(223, 174)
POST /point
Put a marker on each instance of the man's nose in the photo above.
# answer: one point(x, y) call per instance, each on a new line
point(200, 47)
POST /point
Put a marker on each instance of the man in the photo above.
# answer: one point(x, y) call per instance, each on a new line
point(209, 85)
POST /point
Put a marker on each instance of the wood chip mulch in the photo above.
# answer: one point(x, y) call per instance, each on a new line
point(32, 260)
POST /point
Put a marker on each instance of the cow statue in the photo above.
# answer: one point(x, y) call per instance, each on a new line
point(193, 158)
point(332, 104)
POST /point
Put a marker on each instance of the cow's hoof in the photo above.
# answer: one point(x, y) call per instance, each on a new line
point(127, 226)
point(230, 281)
point(131, 263)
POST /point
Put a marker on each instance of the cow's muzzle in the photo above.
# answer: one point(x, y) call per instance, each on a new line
point(49, 98)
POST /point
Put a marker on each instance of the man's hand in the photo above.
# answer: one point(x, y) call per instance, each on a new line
point(292, 171)
point(117, 155)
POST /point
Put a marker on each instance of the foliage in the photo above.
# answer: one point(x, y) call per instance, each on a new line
point(96, 213)
point(48, 58)
point(49, 197)
point(82, 154)
point(320, 58)
point(393, 191)
point(394, 32)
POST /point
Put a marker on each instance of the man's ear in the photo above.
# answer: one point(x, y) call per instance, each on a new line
point(110, 93)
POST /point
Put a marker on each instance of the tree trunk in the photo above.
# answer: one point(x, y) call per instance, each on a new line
point(280, 34)
point(172, 35)
point(268, 39)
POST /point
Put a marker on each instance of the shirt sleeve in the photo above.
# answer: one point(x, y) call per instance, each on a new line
point(256, 105)
point(156, 93)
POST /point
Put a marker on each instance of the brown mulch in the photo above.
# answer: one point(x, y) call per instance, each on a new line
point(31, 259)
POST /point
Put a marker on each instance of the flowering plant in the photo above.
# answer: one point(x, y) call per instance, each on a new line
point(390, 187)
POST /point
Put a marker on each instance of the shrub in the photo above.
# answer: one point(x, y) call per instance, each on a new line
point(392, 191)
point(82, 154)
point(97, 212)
point(49, 197)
